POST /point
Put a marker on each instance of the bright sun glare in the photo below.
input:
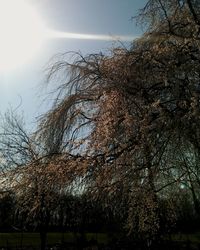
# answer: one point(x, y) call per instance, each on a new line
point(22, 33)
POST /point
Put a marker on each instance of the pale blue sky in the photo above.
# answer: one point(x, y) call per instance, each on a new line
point(108, 17)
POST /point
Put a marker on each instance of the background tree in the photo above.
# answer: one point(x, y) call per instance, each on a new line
point(36, 178)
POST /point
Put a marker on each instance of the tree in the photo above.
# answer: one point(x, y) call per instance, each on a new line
point(36, 178)
point(7, 206)
point(135, 107)
point(125, 125)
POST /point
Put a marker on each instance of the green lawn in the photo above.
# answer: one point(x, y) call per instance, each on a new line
point(19, 239)
point(193, 237)
point(33, 239)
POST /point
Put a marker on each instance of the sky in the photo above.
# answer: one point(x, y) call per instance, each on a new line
point(21, 88)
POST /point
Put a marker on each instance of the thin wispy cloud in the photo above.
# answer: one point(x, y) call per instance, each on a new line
point(69, 35)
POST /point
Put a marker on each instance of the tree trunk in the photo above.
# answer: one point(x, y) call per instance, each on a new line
point(43, 239)
point(194, 196)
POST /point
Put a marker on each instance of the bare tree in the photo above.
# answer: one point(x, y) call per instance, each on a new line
point(36, 178)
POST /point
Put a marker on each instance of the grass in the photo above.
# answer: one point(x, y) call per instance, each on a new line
point(193, 237)
point(33, 239)
point(19, 239)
